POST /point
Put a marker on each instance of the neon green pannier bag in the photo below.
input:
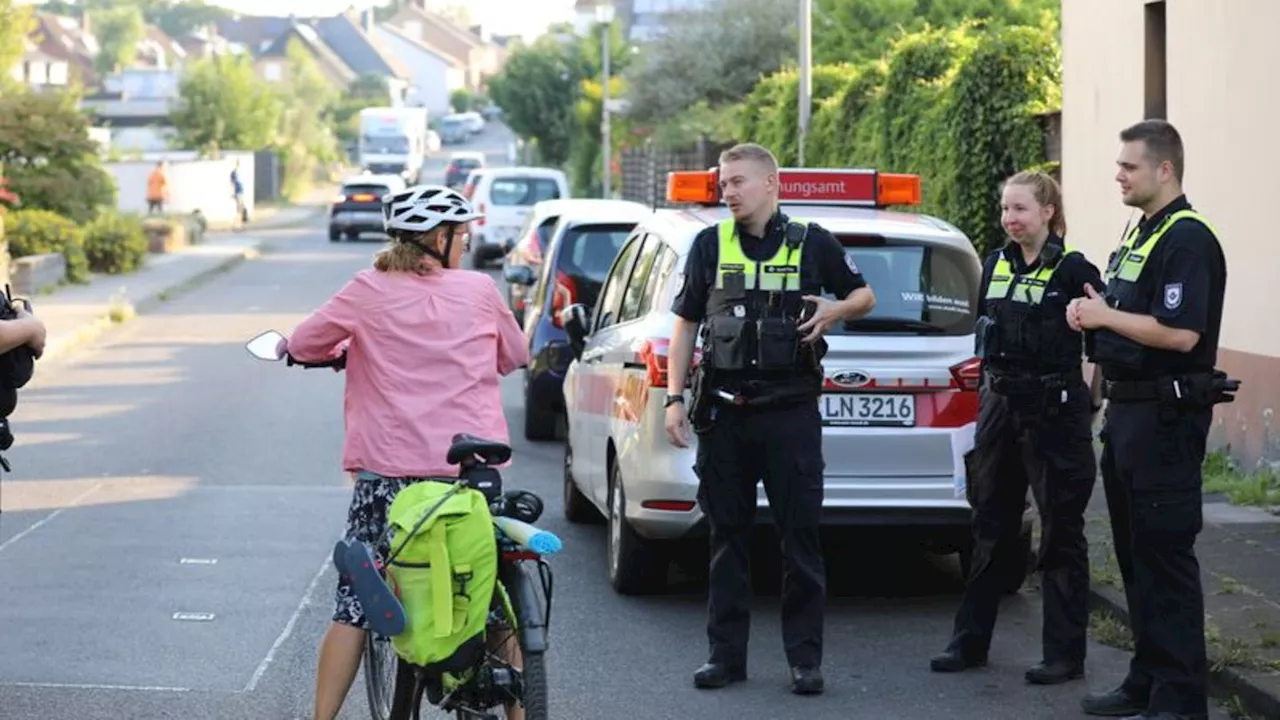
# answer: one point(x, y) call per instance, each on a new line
point(443, 566)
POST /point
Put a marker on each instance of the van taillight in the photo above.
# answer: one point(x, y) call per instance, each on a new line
point(967, 374)
point(480, 210)
point(562, 296)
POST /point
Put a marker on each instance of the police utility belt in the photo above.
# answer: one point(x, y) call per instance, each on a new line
point(1020, 384)
point(1194, 390)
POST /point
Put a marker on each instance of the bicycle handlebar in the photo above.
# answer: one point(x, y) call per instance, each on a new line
point(338, 363)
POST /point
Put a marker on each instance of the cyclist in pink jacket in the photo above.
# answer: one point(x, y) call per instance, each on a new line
point(426, 345)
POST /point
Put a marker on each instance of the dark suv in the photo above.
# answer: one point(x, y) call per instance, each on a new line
point(461, 165)
point(358, 206)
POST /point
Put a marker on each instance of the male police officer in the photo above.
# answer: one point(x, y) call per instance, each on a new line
point(754, 404)
point(1155, 339)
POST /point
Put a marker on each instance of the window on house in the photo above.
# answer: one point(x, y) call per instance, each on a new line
point(272, 71)
point(58, 73)
point(1155, 100)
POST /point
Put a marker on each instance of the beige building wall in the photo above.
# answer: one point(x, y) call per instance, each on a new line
point(1221, 92)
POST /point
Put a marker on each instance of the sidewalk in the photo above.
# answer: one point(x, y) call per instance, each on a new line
point(1239, 553)
point(76, 314)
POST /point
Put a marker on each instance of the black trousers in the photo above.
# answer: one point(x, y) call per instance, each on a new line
point(1151, 471)
point(1019, 443)
point(783, 447)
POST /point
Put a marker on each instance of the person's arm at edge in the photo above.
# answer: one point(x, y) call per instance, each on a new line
point(513, 349)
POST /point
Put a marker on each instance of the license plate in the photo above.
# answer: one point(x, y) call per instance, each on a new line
point(868, 410)
point(363, 217)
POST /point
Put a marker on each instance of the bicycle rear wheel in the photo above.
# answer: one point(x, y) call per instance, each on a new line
point(390, 684)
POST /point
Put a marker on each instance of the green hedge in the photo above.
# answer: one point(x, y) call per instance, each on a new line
point(38, 232)
point(115, 243)
point(959, 106)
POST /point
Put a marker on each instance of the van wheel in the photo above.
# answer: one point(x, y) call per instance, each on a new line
point(636, 567)
point(577, 508)
point(334, 235)
point(539, 423)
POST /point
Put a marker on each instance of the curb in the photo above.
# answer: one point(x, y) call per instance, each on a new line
point(99, 326)
point(1224, 684)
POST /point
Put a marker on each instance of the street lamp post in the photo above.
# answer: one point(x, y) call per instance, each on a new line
point(806, 71)
point(604, 13)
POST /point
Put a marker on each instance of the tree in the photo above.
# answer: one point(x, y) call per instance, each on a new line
point(175, 17)
point(118, 31)
point(15, 24)
point(851, 31)
point(224, 105)
point(306, 138)
point(536, 90)
point(714, 56)
point(460, 100)
point(49, 158)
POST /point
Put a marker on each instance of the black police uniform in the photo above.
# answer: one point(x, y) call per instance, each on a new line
point(776, 436)
point(1034, 427)
point(1154, 441)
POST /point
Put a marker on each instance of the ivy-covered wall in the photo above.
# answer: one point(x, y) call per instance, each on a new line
point(960, 107)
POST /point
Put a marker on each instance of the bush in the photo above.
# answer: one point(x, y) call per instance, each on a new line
point(115, 243)
point(37, 232)
point(960, 107)
point(49, 157)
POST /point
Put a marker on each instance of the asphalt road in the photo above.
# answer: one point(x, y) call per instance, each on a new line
point(164, 471)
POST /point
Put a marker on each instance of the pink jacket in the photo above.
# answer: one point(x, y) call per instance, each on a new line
point(424, 358)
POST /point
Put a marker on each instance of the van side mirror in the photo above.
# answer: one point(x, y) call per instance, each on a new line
point(519, 275)
point(574, 321)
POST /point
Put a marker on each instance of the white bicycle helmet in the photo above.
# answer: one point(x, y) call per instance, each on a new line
point(425, 207)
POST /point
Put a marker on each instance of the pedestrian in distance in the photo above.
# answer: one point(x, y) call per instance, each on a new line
point(1153, 335)
point(1034, 428)
point(754, 281)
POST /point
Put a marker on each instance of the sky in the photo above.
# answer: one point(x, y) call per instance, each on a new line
point(504, 17)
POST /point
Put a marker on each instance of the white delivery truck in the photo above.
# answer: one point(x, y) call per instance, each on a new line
point(393, 141)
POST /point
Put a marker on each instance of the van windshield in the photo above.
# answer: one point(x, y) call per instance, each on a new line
point(523, 191)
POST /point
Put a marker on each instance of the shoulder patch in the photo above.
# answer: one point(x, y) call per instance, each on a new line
point(1172, 296)
point(848, 260)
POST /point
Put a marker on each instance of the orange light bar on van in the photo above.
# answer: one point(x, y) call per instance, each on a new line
point(363, 197)
point(693, 186)
point(897, 189)
point(807, 186)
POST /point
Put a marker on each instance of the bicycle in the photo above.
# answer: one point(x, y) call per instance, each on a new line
point(473, 686)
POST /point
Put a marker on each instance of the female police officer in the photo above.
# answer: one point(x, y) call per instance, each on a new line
point(1034, 426)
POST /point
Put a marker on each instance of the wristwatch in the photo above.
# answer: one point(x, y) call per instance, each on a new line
point(672, 400)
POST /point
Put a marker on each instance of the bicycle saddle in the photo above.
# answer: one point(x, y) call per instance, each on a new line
point(466, 446)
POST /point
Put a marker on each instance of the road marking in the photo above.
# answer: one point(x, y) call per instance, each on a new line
point(74, 501)
point(198, 561)
point(193, 616)
point(288, 628)
point(95, 686)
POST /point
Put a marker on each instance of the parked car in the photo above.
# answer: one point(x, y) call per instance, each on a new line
point(473, 121)
point(536, 234)
point(583, 246)
point(506, 196)
point(358, 206)
point(461, 163)
point(900, 394)
point(453, 130)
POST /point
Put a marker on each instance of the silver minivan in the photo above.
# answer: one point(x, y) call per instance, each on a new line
point(899, 404)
